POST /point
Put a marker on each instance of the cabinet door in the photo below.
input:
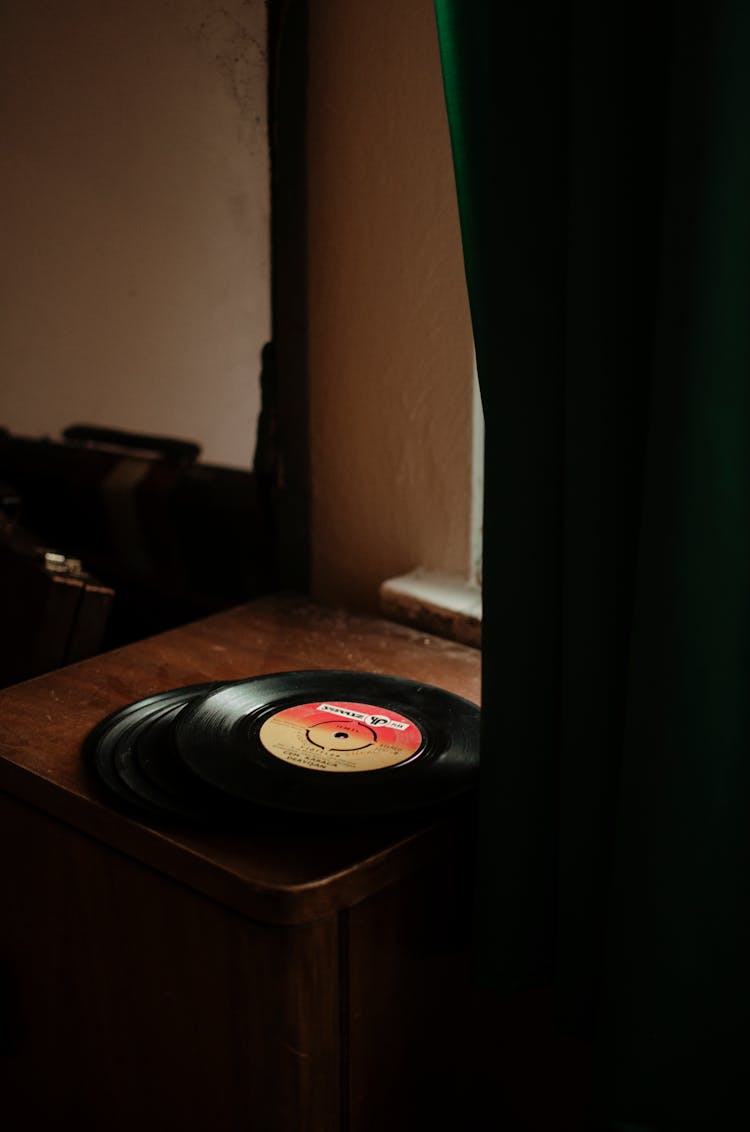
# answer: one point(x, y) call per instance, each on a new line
point(130, 1002)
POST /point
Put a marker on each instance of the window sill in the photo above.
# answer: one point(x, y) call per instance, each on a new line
point(443, 604)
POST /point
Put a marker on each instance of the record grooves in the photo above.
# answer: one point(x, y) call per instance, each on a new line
point(317, 742)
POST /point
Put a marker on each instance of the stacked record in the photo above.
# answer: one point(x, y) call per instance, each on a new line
point(317, 742)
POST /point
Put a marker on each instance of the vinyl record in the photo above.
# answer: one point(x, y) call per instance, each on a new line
point(156, 760)
point(184, 797)
point(108, 752)
point(343, 743)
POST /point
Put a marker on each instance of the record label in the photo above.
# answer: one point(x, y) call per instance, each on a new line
point(336, 735)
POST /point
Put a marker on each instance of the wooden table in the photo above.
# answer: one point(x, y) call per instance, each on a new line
point(277, 979)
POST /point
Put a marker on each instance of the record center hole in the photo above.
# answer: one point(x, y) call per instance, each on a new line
point(341, 735)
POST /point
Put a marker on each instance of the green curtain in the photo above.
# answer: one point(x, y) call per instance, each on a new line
point(602, 158)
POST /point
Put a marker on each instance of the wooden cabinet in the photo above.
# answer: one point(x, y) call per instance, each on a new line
point(284, 980)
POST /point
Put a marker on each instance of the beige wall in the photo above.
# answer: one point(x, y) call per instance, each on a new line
point(390, 340)
point(135, 280)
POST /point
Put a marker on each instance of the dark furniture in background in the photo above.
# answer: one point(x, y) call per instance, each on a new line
point(173, 539)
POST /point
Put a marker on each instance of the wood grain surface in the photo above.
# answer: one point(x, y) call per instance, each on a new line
point(281, 873)
point(129, 1002)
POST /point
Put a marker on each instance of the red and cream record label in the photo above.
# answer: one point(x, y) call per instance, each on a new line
point(340, 736)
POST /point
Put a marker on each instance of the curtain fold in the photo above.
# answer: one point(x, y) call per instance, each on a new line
point(602, 157)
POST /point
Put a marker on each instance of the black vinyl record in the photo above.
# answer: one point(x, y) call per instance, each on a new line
point(156, 760)
point(176, 794)
point(343, 743)
point(109, 751)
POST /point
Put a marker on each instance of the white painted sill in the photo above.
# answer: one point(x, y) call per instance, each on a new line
point(443, 604)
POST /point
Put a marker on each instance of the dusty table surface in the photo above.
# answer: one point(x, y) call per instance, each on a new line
point(285, 872)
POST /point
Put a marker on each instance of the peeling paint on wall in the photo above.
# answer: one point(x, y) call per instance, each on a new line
point(231, 36)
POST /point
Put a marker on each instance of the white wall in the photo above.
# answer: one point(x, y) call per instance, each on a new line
point(134, 241)
point(390, 338)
